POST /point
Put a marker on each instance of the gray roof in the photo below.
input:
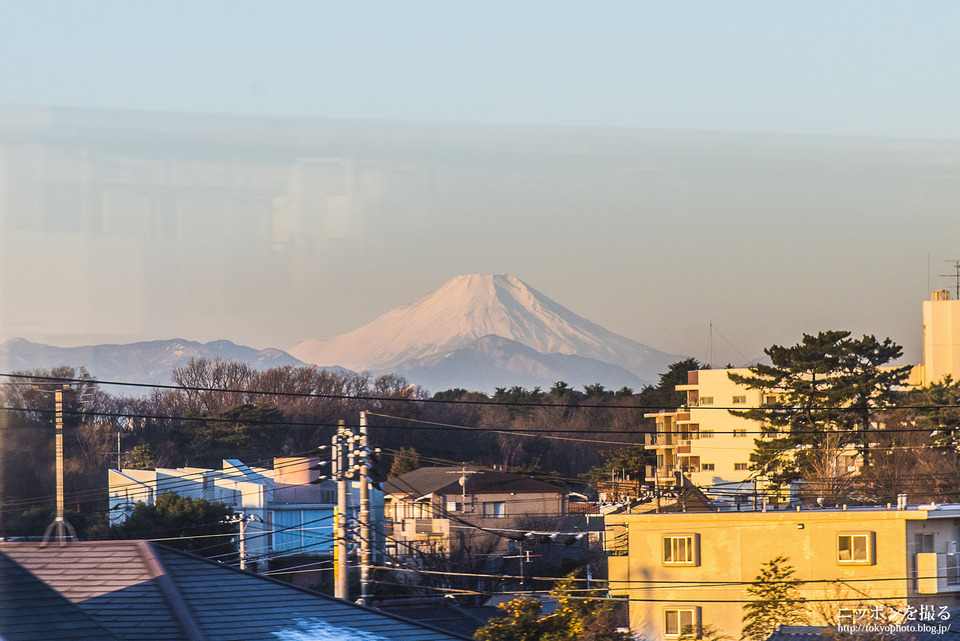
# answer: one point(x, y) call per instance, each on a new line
point(30, 609)
point(446, 480)
point(145, 591)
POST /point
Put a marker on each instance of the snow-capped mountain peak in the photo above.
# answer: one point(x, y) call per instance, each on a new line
point(468, 308)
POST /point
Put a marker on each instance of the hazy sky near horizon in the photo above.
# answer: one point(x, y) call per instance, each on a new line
point(770, 168)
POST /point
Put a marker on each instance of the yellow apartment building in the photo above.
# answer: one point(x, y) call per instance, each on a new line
point(858, 565)
point(704, 440)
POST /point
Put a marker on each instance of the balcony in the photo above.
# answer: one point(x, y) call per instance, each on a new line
point(938, 573)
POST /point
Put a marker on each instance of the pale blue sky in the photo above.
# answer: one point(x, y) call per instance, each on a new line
point(629, 186)
point(870, 68)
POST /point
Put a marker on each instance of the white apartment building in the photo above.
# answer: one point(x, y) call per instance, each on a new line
point(287, 514)
point(941, 338)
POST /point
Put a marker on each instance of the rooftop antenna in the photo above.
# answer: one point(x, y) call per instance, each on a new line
point(955, 276)
point(710, 354)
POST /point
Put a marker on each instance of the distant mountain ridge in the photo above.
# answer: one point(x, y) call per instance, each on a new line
point(448, 335)
point(150, 362)
point(478, 332)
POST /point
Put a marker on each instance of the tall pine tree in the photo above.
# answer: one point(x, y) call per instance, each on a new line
point(825, 386)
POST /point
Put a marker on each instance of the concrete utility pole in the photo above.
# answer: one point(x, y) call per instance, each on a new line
point(59, 523)
point(366, 532)
point(341, 586)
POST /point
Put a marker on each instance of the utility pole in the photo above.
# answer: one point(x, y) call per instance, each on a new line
point(366, 531)
point(59, 524)
point(341, 586)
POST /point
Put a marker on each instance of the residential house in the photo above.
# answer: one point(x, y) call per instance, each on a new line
point(692, 568)
point(286, 514)
point(438, 509)
point(142, 591)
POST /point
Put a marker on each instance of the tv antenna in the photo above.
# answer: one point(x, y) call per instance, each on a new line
point(955, 276)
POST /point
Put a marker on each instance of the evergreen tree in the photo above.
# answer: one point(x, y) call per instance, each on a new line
point(405, 460)
point(777, 600)
point(577, 618)
point(186, 524)
point(827, 383)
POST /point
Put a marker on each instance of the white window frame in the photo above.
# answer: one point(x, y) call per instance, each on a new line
point(739, 399)
point(708, 467)
point(847, 546)
point(671, 549)
point(677, 612)
point(494, 509)
point(739, 432)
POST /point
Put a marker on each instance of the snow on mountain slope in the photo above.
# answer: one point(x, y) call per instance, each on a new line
point(468, 308)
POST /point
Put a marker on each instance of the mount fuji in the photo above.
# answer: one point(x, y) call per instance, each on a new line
point(483, 331)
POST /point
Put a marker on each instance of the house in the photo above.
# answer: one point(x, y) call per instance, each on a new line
point(142, 591)
point(857, 565)
point(286, 514)
point(437, 509)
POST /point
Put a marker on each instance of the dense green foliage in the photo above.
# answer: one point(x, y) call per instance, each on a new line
point(195, 525)
point(777, 600)
point(822, 395)
point(581, 615)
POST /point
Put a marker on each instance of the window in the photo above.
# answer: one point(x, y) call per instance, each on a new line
point(855, 547)
point(770, 399)
point(923, 542)
point(740, 433)
point(495, 510)
point(681, 549)
point(676, 621)
point(708, 467)
point(739, 400)
point(706, 434)
point(453, 506)
point(706, 400)
point(740, 466)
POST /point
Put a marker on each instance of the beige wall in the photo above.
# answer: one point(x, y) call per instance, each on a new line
point(718, 442)
point(733, 545)
point(941, 338)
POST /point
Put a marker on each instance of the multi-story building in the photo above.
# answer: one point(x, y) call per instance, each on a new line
point(286, 513)
point(703, 440)
point(894, 565)
point(941, 338)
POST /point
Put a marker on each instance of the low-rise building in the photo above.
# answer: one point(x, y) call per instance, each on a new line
point(437, 509)
point(286, 513)
point(856, 565)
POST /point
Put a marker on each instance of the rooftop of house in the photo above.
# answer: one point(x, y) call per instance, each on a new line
point(446, 480)
point(148, 592)
point(908, 512)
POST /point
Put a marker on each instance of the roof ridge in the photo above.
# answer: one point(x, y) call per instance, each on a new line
point(178, 606)
point(300, 588)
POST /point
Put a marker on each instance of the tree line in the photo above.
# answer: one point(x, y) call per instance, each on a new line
point(218, 409)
